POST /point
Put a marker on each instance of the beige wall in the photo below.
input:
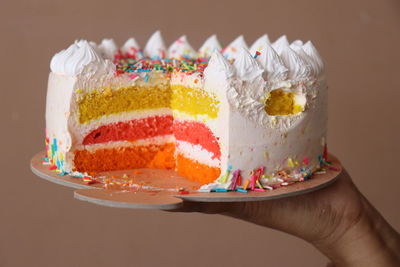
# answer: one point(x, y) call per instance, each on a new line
point(41, 224)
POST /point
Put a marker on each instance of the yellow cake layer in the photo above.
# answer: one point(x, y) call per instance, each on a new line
point(193, 101)
point(99, 103)
point(280, 102)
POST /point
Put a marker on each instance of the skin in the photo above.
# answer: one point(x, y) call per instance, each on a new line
point(338, 220)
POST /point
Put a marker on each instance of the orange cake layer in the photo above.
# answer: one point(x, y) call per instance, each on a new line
point(108, 159)
point(196, 171)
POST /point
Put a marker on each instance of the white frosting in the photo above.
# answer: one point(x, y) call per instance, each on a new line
point(247, 68)
point(209, 46)
point(312, 56)
point(108, 48)
point(259, 44)
point(57, 64)
point(311, 51)
point(278, 137)
point(155, 47)
point(315, 69)
point(272, 64)
point(217, 66)
point(95, 47)
point(58, 99)
point(181, 48)
point(97, 69)
point(130, 46)
point(270, 140)
point(299, 69)
point(232, 50)
point(217, 77)
point(73, 60)
point(280, 44)
point(296, 43)
point(270, 145)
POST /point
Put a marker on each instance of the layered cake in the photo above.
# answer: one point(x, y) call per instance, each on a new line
point(228, 118)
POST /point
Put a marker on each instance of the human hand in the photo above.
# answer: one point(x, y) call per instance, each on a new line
point(337, 220)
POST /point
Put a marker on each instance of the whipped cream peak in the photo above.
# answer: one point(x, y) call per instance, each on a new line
point(209, 46)
point(94, 45)
point(280, 44)
point(81, 42)
point(232, 50)
point(217, 65)
point(58, 60)
point(108, 48)
point(97, 69)
point(259, 44)
point(181, 48)
point(312, 52)
point(72, 60)
point(247, 68)
point(155, 47)
point(298, 48)
point(274, 69)
point(299, 69)
point(130, 46)
point(296, 43)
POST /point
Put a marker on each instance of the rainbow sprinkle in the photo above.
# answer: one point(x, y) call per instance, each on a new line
point(126, 64)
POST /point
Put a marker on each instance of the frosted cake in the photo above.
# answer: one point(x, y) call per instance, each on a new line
point(228, 118)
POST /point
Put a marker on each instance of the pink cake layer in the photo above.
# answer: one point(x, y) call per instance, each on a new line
point(131, 130)
point(197, 133)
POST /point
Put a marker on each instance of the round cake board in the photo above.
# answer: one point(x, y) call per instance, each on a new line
point(165, 198)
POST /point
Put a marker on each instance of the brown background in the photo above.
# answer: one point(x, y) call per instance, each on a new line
point(42, 225)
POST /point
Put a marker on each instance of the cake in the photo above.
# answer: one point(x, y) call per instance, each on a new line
point(227, 118)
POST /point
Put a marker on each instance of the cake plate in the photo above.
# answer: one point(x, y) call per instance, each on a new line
point(163, 197)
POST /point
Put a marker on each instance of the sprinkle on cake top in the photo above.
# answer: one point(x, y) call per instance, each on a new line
point(129, 64)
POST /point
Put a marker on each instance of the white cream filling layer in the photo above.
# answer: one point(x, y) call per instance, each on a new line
point(198, 153)
point(158, 140)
